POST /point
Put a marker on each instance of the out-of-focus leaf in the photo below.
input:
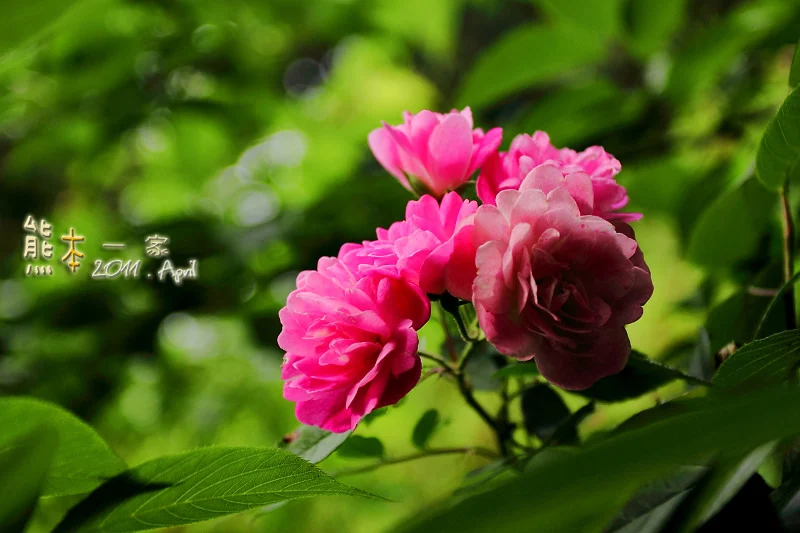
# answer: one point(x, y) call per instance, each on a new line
point(573, 114)
point(730, 229)
point(640, 376)
point(518, 370)
point(598, 17)
point(426, 426)
point(767, 360)
point(699, 65)
point(652, 505)
point(719, 485)
point(357, 447)
point(543, 410)
point(199, 485)
point(651, 24)
point(794, 73)
point(24, 462)
point(779, 151)
point(567, 432)
point(749, 504)
point(586, 488)
point(507, 66)
point(482, 368)
point(314, 444)
point(21, 20)
point(82, 459)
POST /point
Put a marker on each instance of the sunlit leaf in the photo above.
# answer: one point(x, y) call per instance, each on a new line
point(199, 485)
point(82, 459)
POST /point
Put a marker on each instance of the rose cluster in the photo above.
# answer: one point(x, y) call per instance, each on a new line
point(547, 259)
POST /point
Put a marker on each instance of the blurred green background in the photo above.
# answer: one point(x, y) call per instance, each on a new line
point(238, 129)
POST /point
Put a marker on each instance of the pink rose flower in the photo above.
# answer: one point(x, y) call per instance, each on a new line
point(557, 285)
point(431, 248)
point(507, 170)
point(441, 151)
point(350, 342)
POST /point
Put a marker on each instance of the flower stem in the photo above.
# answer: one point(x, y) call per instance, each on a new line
point(482, 452)
point(788, 257)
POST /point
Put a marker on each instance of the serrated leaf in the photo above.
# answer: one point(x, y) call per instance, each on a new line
point(763, 361)
point(24, 462)
point(640, 376)
point(199, 485)
point(82, 460)
point(730, 229)
point(357, 446)
point(584, 489)
point(779, 150)
point(543, 410)
point(426, 426)
point(314, 444)
point(500, 71)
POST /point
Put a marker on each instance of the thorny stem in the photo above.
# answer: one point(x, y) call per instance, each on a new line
point(788, 256)
point(482, 452)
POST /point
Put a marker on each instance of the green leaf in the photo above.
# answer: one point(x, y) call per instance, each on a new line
point(483, 366)
point(721, 483)
point(710, 52)
point(640, 376)
point(357, 446)
point(22, 20)
point(314, 444)
point(517, 370)
point(583, 111)
point(767, 360)
point(654, 503)
point(426, 426)
point(543, 410)
point(600, 18)
point(567, 432)
point(730, 229)
point(651, 24)
point(794, 73)
point(584, 489)
point(82, 459)
point(24, 463)
point(509, 65)
point(199, 485)
point(779, 150)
